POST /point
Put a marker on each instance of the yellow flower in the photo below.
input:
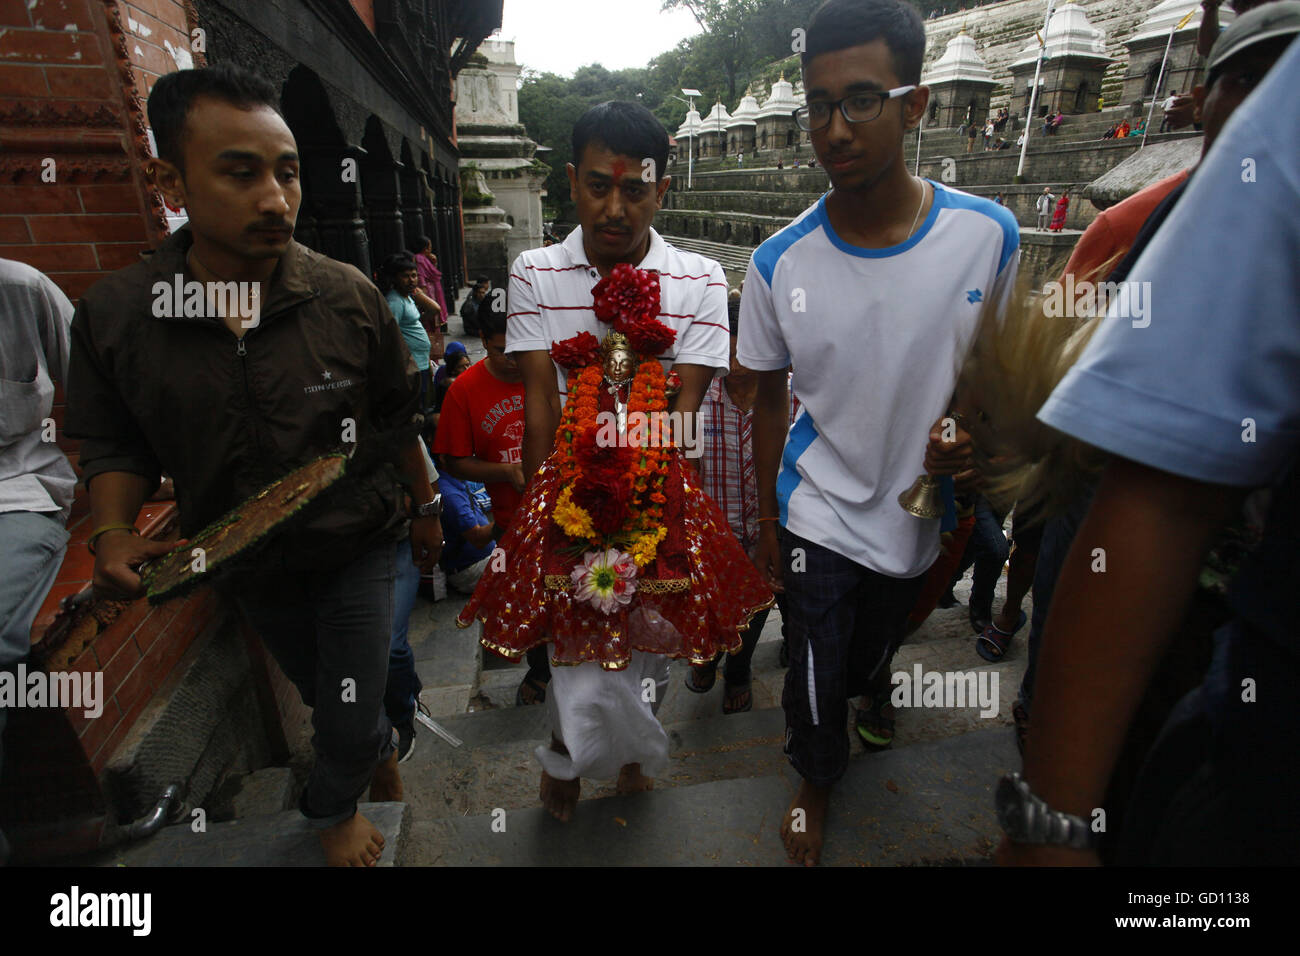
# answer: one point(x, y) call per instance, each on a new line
point(646, 545)
point(572, 519)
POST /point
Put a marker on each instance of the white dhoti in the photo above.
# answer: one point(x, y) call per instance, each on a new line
point(606, 718)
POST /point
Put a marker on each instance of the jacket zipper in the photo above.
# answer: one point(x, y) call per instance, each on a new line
point(241, 350)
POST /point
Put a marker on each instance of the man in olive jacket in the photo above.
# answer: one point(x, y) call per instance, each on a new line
point(230, 357)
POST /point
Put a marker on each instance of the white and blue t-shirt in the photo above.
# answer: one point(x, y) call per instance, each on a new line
point(876, 337)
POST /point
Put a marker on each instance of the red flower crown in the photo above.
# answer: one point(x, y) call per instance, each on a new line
point(628, 298)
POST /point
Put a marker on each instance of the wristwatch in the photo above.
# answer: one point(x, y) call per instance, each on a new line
point(430, 509)
point(1027, 818)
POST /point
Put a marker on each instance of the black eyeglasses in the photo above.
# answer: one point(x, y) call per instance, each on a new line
point(856, 108)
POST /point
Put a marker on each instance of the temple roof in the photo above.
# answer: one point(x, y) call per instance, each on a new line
point(781, 102)
point(1167, 14)
point(746, 113)
point(1068, 34)
point(691, 126)
point(960, 61)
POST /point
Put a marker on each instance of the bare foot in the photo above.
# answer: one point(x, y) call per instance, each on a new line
point(559, 797)
point(386, 784)
point(805, 821)
point(630, 779)
point(354, 842)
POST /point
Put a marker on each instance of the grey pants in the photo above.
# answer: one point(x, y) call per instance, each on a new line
point(330, 631)
point(30, 559)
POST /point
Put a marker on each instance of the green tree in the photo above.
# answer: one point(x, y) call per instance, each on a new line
point(727, 37)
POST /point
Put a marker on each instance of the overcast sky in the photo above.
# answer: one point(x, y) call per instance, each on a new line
point(558, 36)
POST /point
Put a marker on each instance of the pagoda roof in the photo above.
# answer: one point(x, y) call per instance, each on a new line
point(1069, 34)
point(960, 61)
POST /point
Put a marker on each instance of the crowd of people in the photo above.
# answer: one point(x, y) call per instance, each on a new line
point(1104, 439)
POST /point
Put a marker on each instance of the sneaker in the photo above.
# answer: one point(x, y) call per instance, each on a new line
point(405, 740)
point(948, 600)
point(874, 726)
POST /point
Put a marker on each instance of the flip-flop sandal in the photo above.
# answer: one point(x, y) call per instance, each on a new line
point(993, 643)
point(732, 693)
point(539, 692)
point(874, 728)
point(696, 669)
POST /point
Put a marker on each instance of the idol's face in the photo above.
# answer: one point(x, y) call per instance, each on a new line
point(620, 365)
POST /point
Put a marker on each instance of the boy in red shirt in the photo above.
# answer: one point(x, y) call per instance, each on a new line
point(481, 429)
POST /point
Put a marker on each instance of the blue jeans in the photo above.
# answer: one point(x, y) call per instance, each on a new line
point(403, 683)
point(987, 551)
point(34, 544)
point(330, 633)
point(1058, 535)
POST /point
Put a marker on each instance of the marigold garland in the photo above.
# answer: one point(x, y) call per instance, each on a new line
point(628, 299)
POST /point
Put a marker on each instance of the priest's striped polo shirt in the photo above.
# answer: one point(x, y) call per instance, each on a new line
point(549, 300)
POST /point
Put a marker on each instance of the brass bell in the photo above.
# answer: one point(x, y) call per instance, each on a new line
point(923, 498)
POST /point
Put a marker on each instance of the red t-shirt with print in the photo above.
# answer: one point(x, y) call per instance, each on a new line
point(483, 417)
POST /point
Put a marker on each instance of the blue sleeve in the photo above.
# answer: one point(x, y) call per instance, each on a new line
point(1196, 367)
point(394, 304)
point(459, 512)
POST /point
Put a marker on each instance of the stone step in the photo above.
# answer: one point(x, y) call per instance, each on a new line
point(447, 658)
point(923, 805)
point(733, 259)
point(269, 790)
point(495, 766)
point(783, 204)
point(277, 839)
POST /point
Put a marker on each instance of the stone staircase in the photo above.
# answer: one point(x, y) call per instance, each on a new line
point(733, 258)
point(928, 800)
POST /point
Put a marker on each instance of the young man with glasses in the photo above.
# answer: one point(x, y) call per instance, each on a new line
point(873, 294)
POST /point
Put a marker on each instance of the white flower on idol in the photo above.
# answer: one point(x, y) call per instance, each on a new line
point(607, 579)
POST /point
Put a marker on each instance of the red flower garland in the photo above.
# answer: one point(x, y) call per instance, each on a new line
point(626, 294)
point(577, 351)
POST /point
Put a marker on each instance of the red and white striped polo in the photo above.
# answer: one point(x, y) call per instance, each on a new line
point(550, 300)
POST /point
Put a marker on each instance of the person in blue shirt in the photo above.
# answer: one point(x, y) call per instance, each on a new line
point(1197, 404)
point(401, 282)
point(467, 528)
